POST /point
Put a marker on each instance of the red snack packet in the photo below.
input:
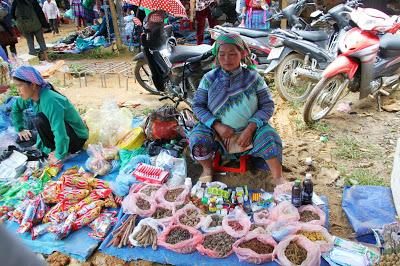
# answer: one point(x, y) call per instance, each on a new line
point(103, 193)
point(90, 206)
point(86, 219)
point(75, 194)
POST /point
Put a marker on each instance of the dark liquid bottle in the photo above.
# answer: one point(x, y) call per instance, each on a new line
point(307, 190)
point(296, 193)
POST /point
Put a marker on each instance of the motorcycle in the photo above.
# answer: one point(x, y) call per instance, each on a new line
point(298, 57)
point(369, 62)
point(258, 40)
point(167, 69)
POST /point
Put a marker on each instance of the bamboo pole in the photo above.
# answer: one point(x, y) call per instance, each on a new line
point(114, 18)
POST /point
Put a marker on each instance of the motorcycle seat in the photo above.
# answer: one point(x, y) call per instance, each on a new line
point(390, 42)
point(248, 32)
point(183, 52)
point(313, 36)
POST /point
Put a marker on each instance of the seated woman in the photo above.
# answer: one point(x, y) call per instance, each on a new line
point(103, 31)
point(60, 128)
point(233, 99)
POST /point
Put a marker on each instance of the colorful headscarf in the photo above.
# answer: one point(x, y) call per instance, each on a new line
point(231, 38)
point(29, 74)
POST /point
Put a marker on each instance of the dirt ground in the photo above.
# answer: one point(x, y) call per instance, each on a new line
point(359, 148)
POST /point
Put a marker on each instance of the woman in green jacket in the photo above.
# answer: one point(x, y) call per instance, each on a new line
point(60, 128)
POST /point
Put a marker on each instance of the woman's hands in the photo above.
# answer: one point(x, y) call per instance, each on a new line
point(25, 135)
point(246, 137)
point(224, 131)
point(52, 159)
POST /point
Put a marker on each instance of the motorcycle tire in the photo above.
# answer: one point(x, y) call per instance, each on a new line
point(285, 91)
point(321, 96)
point(143, 76)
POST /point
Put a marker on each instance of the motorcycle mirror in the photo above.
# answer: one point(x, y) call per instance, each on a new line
point(316, 13)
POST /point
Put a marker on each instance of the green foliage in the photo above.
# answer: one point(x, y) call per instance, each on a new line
point(364, 177)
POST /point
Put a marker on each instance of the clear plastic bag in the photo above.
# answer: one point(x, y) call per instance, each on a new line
point(324, 245)
point(207, 222)
point(176, 167)
point(282, 228)
point(108, 124)
point(236, 223)
point(249, 255)
point(317, 211)
point(185, 246)
point(313, 251)
point(131, 204)
point(193, 216)
point(283, 192)
point(96, 162)
point(262, 217)
point(213, 253)
point(285, 211)
point(154, 224)
point(163, 195)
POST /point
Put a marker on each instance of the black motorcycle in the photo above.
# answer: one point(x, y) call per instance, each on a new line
point(298, 57)
point(167, 69)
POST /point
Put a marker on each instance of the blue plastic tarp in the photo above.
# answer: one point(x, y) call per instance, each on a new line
point(78, 244)
point(368, 207)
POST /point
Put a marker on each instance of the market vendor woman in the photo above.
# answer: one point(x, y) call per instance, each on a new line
point(60, 128)
point(234, 99)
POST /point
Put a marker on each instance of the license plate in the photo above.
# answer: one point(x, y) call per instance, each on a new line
point(275, 53)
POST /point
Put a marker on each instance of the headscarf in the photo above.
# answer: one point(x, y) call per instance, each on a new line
point(29, 74)
point(231, 38)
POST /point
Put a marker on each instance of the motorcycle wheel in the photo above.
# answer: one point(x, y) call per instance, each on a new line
point(143, 76)
point(287, 90)
point(321, 100)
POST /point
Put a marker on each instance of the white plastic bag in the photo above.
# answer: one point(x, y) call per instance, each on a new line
point(158, 227)
point(175, 166)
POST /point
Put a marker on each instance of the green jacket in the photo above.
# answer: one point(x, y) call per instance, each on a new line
point(58, 110)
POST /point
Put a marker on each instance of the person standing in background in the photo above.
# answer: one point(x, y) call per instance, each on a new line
point(50, 9)
point(30, 21)
point(203, 12)
point(255, 14)
point(8, 36)
point(79, 13)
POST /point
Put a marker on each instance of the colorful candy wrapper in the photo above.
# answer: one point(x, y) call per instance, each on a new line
point(30, 212)
point(118, 200)
point(19, 212)
point(58, 217)
point(39, 230)
point(102, 193)
point(71, 171)
point(59, 207)
point(50, 193)
point(89, 207)
point(110, 202)
point(102, 225)
point(89, 199)
point(75, 194)
point(75, 181)
point(41, 209)
point(66, 227)
point(99, 184)
point(86, 219)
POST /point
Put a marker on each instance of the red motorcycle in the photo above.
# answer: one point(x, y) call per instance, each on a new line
point(369, 61)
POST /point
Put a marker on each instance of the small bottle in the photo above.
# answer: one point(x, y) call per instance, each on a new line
point(296, 193)
point(308, 188)
point(212, 207)
point(188, 182)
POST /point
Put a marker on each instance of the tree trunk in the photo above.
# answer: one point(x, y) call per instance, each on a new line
point(115, 25)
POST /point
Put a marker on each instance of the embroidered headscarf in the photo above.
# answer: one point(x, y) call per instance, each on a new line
point(231, 38)
point(29, 74)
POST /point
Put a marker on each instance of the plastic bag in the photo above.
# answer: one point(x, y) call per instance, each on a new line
point(189, 215)
point(175, 166)
point(236, 223)
point(313, 251)
point(131, 202)
point(228, 240)
point(185, 246)
point(283, 192)
point(96, 162)
point(108, 124)
point(251, 256)
point(262, 217)
point(166, 220)
point(281, 229)
point(210, 223)
point(285, 211)
point(308, 229)
point(316, 210)
point(150, 222)
point(150, 190)
point(69, 14)
point(170, 197)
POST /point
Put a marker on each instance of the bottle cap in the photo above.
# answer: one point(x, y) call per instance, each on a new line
point(308, 176)
point(188, 181)
point(297, 182)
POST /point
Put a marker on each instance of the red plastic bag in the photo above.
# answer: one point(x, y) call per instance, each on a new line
point(212, 223)
point(324, 245)
point(251, 256)
point(313, 251)
point(166, 194)
point(262, 217)
point(166, 220)
point(285, 211)
point(190, 216)
point(236, 223)
point(185, 246)
point(134, 201)
point(283, 192)
point(215, 253)
point(317, 211)
point(150, 190)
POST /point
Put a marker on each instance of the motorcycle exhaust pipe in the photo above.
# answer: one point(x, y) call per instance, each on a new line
point(305, 73)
